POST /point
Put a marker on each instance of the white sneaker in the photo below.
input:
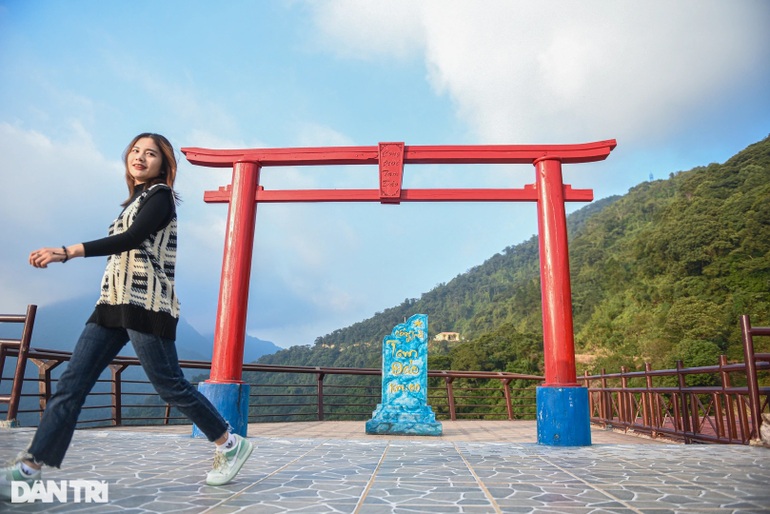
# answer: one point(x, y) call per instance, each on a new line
point(15, 474)
point(227, 464)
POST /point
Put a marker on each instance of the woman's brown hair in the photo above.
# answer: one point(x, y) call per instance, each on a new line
point(167, 169)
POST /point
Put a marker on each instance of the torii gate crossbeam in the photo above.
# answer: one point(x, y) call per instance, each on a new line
point(549, 191)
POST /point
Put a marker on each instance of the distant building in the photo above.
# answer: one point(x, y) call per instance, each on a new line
point(447, 336)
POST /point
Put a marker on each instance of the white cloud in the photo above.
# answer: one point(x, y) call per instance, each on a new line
point(367, 29)
point(53, 191)
point(548, 72)
point(314, 134)
point(32, 160)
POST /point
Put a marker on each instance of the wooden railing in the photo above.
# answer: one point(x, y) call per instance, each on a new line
point(18, 347)
point(661, 403)
point(123, 396)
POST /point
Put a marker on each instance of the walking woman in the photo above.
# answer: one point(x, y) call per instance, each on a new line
point(138, 303)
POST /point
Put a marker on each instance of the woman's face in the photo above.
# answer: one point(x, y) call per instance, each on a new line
point(144, 160)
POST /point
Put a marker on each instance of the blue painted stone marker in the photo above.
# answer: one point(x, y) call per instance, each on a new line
point(404, 409)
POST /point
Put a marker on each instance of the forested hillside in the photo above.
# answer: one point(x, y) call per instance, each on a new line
point(659, 274)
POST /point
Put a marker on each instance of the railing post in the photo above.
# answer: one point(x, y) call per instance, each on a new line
point(320, 395)
point(606, 400)
point(21, 363)
point(591, 402)
point(44, 368)
point(720, 399)
point(507, 392)
point(685, 410)
point(117, 393)
point(751, 376)
point(651, 417)
point(624, 409)
point(450, 398)
point(732, 432)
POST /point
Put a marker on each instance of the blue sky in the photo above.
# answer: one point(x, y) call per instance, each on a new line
point(678, 84)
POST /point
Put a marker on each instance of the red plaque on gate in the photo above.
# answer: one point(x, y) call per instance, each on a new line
point(391, 158)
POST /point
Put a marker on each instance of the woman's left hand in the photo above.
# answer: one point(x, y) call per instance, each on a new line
point(43, 257)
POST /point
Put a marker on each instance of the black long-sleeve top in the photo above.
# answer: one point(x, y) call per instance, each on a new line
point(156, 212)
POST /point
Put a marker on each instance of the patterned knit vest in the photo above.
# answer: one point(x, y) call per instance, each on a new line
point(142, 279)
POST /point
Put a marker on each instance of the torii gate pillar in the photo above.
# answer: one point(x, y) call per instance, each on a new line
point(562, 407)
point(225, 387)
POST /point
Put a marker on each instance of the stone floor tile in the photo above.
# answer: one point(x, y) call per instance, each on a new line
point(476, 467)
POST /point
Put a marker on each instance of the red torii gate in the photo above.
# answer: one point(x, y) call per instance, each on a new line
point(558, 392)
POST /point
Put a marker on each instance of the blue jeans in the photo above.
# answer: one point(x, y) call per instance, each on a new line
point(95, 349)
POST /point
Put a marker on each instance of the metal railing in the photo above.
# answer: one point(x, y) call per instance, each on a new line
point(281, 393)
point(18, 347)
point(661, 403)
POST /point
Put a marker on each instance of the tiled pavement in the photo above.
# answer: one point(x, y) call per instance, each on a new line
point(475, 467)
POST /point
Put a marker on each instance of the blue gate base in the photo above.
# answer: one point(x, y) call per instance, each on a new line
point(232, 402)
point(563, 418)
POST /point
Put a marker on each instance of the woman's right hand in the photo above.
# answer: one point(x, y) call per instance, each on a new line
point(44, 256)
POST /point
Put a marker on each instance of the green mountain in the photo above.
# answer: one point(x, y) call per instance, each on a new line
point(658, 275)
